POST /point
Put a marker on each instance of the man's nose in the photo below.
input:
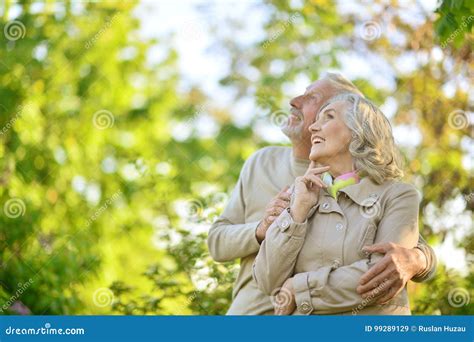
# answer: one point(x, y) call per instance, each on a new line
point(295, 102)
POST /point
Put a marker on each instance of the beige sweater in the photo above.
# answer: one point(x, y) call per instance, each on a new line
point(232, 236)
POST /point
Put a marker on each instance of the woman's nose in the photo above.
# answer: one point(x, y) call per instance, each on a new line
point(314, 127)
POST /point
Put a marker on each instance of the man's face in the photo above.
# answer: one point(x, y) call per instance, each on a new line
point(303, 112)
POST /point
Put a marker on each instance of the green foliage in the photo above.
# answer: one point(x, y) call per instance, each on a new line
point(455, 21)
point(107, 200)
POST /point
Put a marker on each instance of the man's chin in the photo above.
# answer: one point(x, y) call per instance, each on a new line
point(293, 132)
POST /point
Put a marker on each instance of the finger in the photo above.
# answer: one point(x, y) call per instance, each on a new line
point(272, 218)
point(280, 203)
point(379, 291)
point(284, 196)
point(374, 271)
point(394, 290)
point(381, 247)
point(315, 180)
point(318, 170)
point(379, 281)
point(275, 211)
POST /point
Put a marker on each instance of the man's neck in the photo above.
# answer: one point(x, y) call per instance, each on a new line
point(301, 150)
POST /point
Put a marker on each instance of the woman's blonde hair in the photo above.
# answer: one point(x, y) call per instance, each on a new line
point(372, 146)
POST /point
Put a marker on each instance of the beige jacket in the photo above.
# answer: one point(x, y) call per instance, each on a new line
point(232, 236)
point(324, 254)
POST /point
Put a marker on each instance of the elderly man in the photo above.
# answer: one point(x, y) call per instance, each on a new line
point(261, 195)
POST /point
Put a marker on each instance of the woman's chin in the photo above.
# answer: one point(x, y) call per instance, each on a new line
point(314, 156)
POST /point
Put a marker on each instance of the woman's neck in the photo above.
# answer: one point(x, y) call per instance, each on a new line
point(340, 166)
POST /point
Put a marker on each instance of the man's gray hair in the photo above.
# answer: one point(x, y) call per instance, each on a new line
point(342, 84)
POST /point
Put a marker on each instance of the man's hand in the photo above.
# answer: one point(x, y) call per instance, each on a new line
point(388, 276)
point(285, 303)
point(279, 203)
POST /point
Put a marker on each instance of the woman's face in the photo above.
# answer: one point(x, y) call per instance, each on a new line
point(330, 136)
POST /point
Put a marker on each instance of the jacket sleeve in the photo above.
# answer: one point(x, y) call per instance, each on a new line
point(431, 262)
point(230, 237)
point(332, 289)
point(277, 256)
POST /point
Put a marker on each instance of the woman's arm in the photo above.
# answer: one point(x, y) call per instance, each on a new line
point(333, 290)
point(276, 259)
point(284, 239)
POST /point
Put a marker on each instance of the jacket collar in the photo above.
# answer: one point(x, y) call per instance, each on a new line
point(366, 192)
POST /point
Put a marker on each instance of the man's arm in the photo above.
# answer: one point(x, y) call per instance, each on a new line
point(429, 270)
point(402, 264)
point(230, 237)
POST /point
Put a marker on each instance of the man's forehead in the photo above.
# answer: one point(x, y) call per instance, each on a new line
point(318, 87)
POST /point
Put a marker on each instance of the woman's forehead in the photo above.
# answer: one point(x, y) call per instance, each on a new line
point(338, 106)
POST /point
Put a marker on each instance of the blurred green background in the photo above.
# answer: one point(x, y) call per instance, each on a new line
point(124, 125)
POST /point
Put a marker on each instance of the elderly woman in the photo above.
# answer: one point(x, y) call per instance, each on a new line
point(313, 256)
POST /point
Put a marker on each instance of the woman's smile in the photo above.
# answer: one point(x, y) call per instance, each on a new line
point(316, 139)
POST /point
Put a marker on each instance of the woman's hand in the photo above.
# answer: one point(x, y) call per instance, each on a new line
point(306, 192)
point(285, 302)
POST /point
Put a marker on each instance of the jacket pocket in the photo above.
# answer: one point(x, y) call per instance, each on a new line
point(367, 239)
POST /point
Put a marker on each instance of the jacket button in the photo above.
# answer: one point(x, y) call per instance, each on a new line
point(339, 226)
point(336, 263)
point(304, 307)
point(325, 205)
point(284, 224)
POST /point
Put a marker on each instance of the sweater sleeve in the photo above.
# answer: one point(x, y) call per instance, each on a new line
point(231, 237)
point(431, 262)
